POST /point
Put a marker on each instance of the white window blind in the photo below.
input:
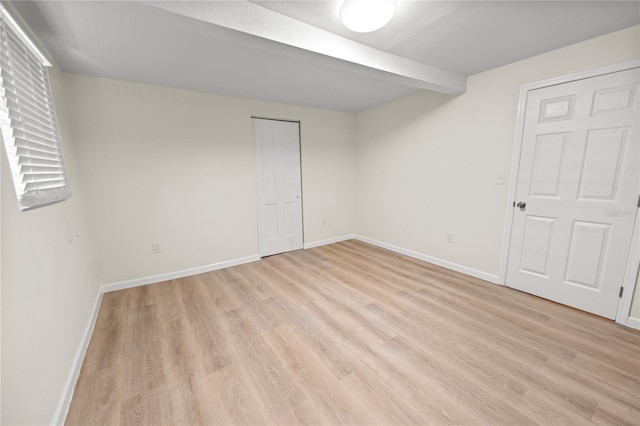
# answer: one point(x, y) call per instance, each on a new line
point(28, 121)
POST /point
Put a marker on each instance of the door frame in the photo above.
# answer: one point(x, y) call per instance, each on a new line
point(299, 122)
point(633, 261)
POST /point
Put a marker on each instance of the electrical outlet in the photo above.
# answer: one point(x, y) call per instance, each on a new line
point(450, 237)
point(155, 248)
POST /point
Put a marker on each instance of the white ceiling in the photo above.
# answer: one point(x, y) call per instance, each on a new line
point(469, 37)
point(298, 52)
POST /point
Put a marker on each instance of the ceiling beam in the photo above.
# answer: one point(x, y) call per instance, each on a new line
point(290, 37)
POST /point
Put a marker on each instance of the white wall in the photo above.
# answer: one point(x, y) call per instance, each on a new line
point(427, 163)
point(177, 167)
point(48, 291)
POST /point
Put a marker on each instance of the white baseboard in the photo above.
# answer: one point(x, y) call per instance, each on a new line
point(60, 414)
point(633, 322)
point(106, 288)
point(444, 263)
point(329, 241)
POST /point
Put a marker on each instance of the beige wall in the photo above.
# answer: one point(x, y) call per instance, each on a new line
point(48, 291)
point(177, 167)
point(427, 163)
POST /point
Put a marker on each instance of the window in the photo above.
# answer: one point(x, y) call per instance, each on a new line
point(28, 121)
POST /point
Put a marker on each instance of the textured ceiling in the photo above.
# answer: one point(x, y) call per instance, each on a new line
point(144, 43)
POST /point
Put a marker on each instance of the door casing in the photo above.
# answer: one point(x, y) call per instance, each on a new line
point(633, 260)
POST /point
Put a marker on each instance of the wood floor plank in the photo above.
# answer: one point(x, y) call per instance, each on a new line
point(99, 403)
point(227, 397)
point(521, 368)
point(213, 347)
point(263, 367)
point(316, 335)
point(306, 413)
point(133, 412)
point(219, 292)
point(179, 351)
point(167, 300)
point(374, 408)
point(351, 334)
point(173, 404)
point(331, 402)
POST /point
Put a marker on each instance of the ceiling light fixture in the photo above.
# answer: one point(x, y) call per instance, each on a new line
point(365, 16)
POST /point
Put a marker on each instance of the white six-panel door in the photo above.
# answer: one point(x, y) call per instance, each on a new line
point(279, 189)
point(578, 188)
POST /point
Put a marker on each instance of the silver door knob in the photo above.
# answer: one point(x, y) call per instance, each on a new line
point(522, 204)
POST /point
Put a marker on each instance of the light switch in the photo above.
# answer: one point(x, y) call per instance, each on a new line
point(500, 178)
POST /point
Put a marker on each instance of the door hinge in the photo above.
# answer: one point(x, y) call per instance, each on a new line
point(638, 200)
point(621, 291)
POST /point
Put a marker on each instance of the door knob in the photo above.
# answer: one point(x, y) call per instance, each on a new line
point(522, 204)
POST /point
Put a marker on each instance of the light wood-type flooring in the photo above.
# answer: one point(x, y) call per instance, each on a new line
point(351, 334)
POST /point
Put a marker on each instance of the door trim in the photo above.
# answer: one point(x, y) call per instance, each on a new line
point(631, 271)
point(630, 275)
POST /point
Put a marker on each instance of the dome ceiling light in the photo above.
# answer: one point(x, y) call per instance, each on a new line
point(365, 16)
